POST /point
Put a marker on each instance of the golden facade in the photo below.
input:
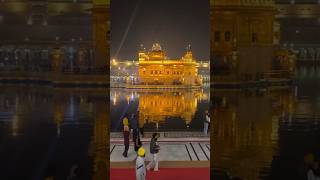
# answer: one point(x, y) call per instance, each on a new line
point(236, 23)
point(243, 35)
point(101, 31)
point(101, 45)
point(155, 68)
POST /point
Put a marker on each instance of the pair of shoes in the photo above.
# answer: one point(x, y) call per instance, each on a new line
point(125, 155)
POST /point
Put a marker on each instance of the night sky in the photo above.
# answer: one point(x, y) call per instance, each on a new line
point(172, 23)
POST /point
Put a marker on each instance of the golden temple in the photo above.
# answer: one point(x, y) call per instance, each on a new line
point(155, 68)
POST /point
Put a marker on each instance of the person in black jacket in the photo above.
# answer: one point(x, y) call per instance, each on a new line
point(135, 132)
point(154, 150)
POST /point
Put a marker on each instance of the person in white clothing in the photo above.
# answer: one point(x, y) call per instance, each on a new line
point(140, 166)
point(154, 150)
point(206, 123)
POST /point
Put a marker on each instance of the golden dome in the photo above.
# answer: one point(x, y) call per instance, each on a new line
point(156, 52)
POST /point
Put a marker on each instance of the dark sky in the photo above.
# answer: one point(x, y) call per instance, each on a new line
point(172, 23)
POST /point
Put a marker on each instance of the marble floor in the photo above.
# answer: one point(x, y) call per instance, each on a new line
point(170, 151)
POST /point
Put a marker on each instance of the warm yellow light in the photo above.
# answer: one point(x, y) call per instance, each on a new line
point(114, 62)
point(114, 100)
point(164, 70)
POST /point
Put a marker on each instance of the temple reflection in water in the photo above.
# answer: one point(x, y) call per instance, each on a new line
point(60, 42)
point(160, 110)
point(56, 130)
point(246, 129)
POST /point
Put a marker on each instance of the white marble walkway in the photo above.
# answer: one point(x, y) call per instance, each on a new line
point(170, 151)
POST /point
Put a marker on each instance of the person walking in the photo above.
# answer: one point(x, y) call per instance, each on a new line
point(126, 135)
point(206, 123)
point(137, 141)
point(154, 150)
point(140, 125)
point(135, 132)
point(140, 165)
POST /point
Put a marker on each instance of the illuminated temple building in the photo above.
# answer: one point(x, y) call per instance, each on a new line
point(155, 68)
point(243, 38)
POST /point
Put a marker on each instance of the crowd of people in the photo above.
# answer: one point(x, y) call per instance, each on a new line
point(131, 128)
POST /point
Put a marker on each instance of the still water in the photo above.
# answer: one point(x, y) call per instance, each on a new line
point(160, 110)
point(46, 132)
point(264, 134)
